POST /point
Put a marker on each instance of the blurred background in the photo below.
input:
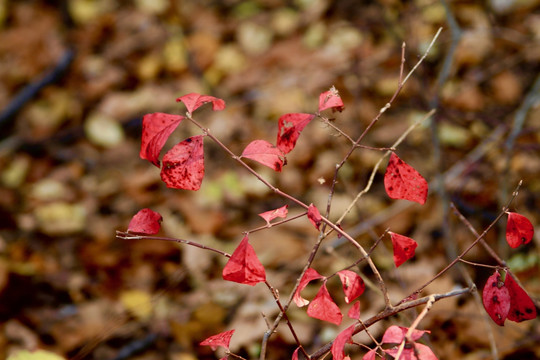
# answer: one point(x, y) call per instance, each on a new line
point(76, 77)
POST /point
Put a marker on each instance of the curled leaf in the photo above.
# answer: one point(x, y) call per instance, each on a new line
point(183, 165)
point(521, 305)
point(331, 100)
point(309, 275)
point(243, 266)
point(496, 298)
point(402, 181)
point(272, 214)
point(324, 308)
point(404, 248)
point(353, 285)
point(156, 129)
point(338, 346)
point(519, 230)
point(222, 339)
point(289, 128)
point(314, 216)
point(193, 101)
point(295, 354)
point(146, 222)
point(265, 153)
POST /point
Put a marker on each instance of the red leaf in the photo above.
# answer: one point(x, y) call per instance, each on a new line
point(156, 129)
point(324, 308)
point(519, 230)
point(295, 354)
point(193, 101)
point(402, 181)
point(496, 298)
point(354, 311)
point(183, 165)
point(222, 339)
point(404, 248)
point(146, 222)
point(265, 153)
point(331, 100)
point(370, 355)
point(272, 214)
point(353, 285)
point(338, 345)
point(521, 306)
point(424, 353)
point(310, 274)
point(244, 267)
point(395, 334)
point(289, 128)
point(314, 216)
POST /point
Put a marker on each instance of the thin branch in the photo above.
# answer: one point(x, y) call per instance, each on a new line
point(407, 337)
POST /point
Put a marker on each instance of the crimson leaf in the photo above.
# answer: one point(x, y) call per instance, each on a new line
point(521, 306)
point(496, 298)
point(331, 100)
point(146, 222)
point(314, 216)
point(324, 308)
point(395, 334)
point(295, 354)
point(265, 153)
point(519, 230)
point(156, 129)
point(193, 101)
point(354, 311)
point(353, 285)
point(424, 353)
point(404, 248)
point(310, 274)
point(370, 355)
point(289, 128)
point(338, 345)
point(272, 214)
point(183, 165)
point(402, 181)
point(244, 267)
point(222, 339)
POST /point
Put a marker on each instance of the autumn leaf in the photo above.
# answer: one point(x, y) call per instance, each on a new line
point(265, 153)
point(193, 101)
point(244, 267)
point(289, 128)
point(314, 216)
point(156, 129)
point(402, 181)
point(183, 165)
point(354, 311)
point(519, 230)
point(353, 285)
point(324, 308)
point(146, 222)
point(496, 298)
point(222, 339)
point(424, 353)
point(331, 100)
point(404, 248)
point(521, 305)
point(338, 346)
point(295, 354)
point(309, 275)
point(370, 355)
point(395, 334)
point(272, 214)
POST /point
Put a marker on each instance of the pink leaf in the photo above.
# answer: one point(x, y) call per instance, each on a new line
point(183, 165)
point(331, 100)
point(338, 346)
point(244, 267)
point(289, 128)
point(193, 101)
point(156, 129)
point(222, 339)
point(395, 334)
point(146, 222)
point(272, 214)
point(496, 298)
point(265, 153)
point(424, 353)
point(402, 181)
point(324, 308)
point(354, 311)
point(295, 354)
point(310, 274)
point(314, 216)
point(519, 230)
point(370, 355)
point(404, 248)
point(353, 285)
point(521, 306)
